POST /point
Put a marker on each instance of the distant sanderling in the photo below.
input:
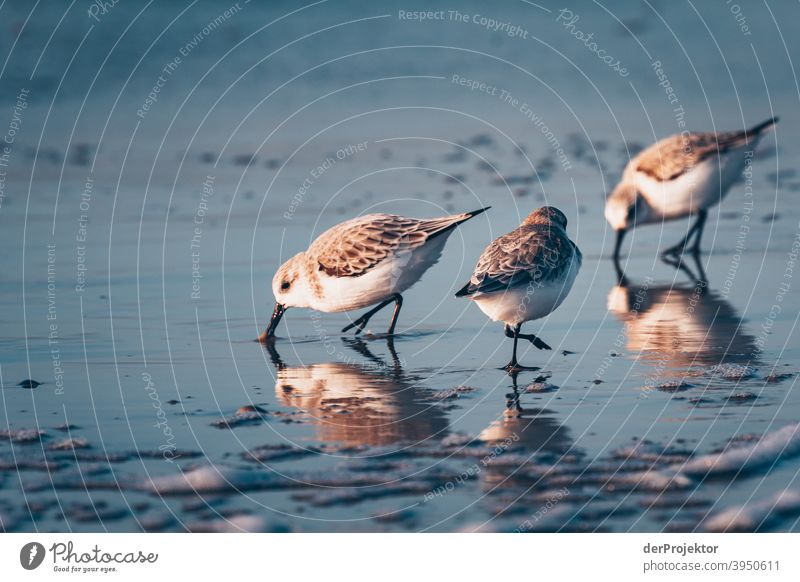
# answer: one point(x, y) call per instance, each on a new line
point(525, 275)
point(680, 176)
point(360, 262)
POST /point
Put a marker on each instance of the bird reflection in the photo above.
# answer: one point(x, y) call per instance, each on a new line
point(530, 429)
point(371, 403)
point(524, 435)
point(681, 324)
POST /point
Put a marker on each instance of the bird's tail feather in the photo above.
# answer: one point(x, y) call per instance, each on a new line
point(438, 226)
point(762, 126)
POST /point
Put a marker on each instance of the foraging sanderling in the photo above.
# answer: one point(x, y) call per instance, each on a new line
point(525, 275)
point(680, 176)
point(360, 262)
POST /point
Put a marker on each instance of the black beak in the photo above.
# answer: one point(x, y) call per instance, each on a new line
point(269, 333)
point(618, 245)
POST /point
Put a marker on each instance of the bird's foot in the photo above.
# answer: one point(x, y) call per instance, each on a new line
point(673, 252)
point(359, 324)
point(514, 367)
point(540, 344)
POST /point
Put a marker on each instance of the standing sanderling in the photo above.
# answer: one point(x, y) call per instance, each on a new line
point(360, 262)
point(679, 176)
point(525, 275)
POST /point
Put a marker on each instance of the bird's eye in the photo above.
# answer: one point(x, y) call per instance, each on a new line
point(285, 285)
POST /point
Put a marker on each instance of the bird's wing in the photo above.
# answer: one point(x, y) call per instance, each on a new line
point(674, 156)
point(352, 248)
point(529, 254)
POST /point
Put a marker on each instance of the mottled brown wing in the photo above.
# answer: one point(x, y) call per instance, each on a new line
point(676, 155)
point(354, 247)
point(528, 254)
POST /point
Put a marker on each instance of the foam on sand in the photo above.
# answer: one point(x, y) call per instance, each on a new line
point(752, 516)
point(208, 479)
point(771, 448)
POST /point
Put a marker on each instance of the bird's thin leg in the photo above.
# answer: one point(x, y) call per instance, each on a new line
point(701, 279)
point(362, 321)
point(398, 303)
point(514, 366)
point(526, 336)
point(538, 343)
point(681, 246)
point(699, 226)
point(622, 280)
point(679, 264)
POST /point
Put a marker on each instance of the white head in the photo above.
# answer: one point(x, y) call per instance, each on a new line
point(625, 208)
point(289, 285)
point(291, 289)
point(622, 207)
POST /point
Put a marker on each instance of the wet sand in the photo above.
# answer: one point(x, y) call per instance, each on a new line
point(666, 404)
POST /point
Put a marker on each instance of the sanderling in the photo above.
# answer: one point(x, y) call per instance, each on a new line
point(360, 262)
point(680, 176)
point(525, 274)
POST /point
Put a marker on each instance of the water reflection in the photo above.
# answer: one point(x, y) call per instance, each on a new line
point(372, 403)
point(523, 436)
point(689, 323)
point(529, 428)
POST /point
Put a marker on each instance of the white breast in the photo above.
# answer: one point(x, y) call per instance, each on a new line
point(527, 302)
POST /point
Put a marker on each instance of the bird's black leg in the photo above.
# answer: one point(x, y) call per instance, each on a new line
point(398, 303)
point(701, 279)
point(362, 321)
point(514, 366)
point(622, 280)
point(699, 226)
point(527, 336)
point(679, 248)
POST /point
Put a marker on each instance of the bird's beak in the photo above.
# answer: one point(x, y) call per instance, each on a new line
point(620, 235)
point(269, 333)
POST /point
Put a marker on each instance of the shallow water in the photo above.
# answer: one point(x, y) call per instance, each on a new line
point(180, 421)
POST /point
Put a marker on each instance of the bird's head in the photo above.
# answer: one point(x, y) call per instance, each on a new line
point(289, 286)
point(547, 215)
point(626, 208)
